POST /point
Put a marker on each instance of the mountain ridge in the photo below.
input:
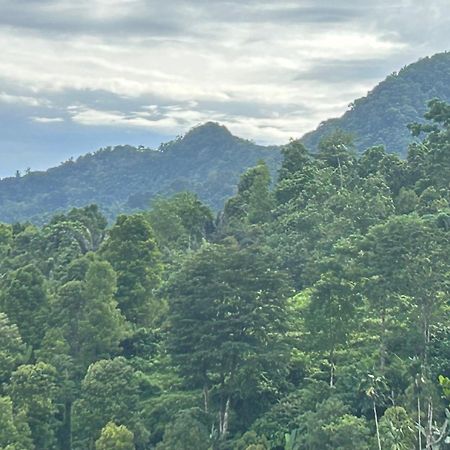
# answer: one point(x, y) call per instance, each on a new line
point(381, 117)
point(208, 159)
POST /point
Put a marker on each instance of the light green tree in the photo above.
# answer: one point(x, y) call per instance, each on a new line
point(397, 430)
point(34, 390)
point(115, 437)
point(111, 391)
point(14, 430)
point(12, 349)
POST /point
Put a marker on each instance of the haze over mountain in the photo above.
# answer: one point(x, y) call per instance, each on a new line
point(207, 160)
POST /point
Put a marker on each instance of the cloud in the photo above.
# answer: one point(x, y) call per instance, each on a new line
point(268, 69)
point(47, 119)
point(21, 100)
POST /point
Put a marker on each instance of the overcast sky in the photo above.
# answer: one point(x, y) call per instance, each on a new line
point(76, 75)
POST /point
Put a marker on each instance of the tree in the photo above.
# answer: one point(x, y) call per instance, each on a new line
point(115, 437)
point(88, 315)
point(186, 432)
point(24, 299)
point(397, 429)
point(337, 150)
point(253, 202)
point(6, 239)
point(430, 159)
point(15, 433)
point(227, 315)
point(34, 390)
point(132, 251)
point(331, 427)
point(181, 222)
point(102, 325)
point(90, 328)
point(332, 315)
point(404, 260)
point(12, 350)
point(112, 390)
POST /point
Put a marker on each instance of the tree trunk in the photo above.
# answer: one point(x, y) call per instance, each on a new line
point(383, 341)
point(226, 414)
point(419, 421)
point(66, 429)
point(332, 367)
point(206, 397)
point(376, 425)
point(429, 432)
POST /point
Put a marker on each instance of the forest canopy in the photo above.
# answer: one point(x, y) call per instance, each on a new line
point(311, 313)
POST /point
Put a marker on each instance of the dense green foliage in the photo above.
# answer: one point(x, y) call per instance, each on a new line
point(208, 161)
point(311, 315)
point(381, 117)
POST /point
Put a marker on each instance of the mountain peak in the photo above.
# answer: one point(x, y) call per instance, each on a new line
point(209, 130)
point(206, 137)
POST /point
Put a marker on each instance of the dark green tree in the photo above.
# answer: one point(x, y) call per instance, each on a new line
point(186, 432)
point(132, 251)
point(24, 299)
point(227, 317)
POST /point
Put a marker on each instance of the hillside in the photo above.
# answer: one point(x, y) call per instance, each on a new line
point(382, 116)
point(313, 316)
point(208, 160)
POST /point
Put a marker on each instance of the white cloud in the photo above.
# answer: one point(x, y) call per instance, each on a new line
point(260, 67)
point(47, 119)
point(21, 99)
point(92, 117)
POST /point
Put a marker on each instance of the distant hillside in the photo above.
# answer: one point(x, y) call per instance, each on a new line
point(382, 116)
point(207, 160)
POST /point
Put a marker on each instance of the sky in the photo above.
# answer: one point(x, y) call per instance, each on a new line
point(77, 75)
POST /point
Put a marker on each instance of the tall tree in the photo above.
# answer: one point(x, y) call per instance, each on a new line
point(90, 327)
point(227, 315)
point(132, 251)
point(112, 390)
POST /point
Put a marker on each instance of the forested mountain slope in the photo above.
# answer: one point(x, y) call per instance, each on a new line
point(207, 160)
point(313, 315)
point(382, 116)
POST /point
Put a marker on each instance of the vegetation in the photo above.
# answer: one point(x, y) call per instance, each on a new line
point(381, 117)
point(208, 161)
point(310, 315)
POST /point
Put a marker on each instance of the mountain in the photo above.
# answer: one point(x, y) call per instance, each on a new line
point(208, 160)
point(382, 116)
